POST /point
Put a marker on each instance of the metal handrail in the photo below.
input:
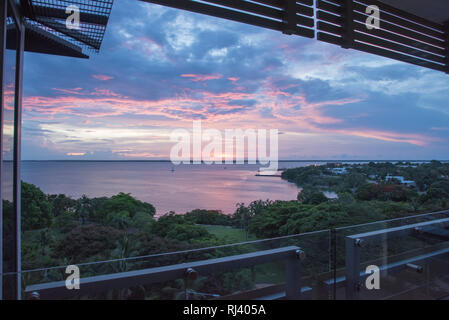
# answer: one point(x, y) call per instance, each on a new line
point(291, 255)
point(354, 243)
point(232, 244)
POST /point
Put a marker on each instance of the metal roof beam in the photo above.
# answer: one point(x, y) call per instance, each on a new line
point(72, 33)
point(41, 41)
point(300, 22)
point(47, 12)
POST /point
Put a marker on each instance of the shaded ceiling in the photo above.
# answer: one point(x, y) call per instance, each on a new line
point(433, 10)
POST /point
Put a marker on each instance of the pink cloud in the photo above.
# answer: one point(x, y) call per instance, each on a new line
point(138, 154)
point(202, 77)
point(75, 153)
point(105, 92)
point(69, 91)
point(288, 112)
point(410, 138)
point(102, 77)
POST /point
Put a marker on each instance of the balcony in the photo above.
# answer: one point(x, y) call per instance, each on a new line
point(410, 254)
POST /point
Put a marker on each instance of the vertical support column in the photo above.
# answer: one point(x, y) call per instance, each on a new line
point(17, 154)
point(446, 36)
point(352, 268)
point(333, 248)
point(348, 25)
point(293, 276)
point(384, 240)
point(290, 17)
point(3, 14)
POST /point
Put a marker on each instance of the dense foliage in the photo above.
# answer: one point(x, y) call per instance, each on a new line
point(37, 207)
point(59, 230)
point(209, 217)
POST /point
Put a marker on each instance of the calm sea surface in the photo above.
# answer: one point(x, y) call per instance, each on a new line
point(186, 188)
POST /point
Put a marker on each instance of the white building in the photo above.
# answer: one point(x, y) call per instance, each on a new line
point(401, 179)
point(339, 170)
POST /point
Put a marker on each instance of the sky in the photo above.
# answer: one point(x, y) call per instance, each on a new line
point(159, 69)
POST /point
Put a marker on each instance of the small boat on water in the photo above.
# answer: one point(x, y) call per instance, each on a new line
point(261, 173)
point(172, 169)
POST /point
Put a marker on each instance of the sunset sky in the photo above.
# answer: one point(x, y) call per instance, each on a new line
point(160, 68)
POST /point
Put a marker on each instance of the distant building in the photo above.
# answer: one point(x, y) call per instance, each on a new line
point(339, 170)
point(334, 164)
point(407, 166)
point(401, 180)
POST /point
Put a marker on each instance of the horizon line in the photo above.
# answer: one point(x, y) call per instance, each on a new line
point(246, 162)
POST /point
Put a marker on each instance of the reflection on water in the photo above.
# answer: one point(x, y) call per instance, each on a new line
point(185, 188)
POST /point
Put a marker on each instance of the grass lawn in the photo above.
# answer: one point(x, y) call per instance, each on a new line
point(227, 234)
point(266, 273)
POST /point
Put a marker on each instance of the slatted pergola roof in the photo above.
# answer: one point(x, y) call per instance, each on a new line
point(46, 30)
point(405, 34)
point(413, 31)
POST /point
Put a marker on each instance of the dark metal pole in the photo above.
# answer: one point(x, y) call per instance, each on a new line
point(334, 261)
point(348, 25)
point(290, 17)
point(3, 14)
point(446, 34)
point(352, 268)
point(293, 276)
point(17, 154)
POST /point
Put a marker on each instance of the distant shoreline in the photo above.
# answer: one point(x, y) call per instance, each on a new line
point(168, 161)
